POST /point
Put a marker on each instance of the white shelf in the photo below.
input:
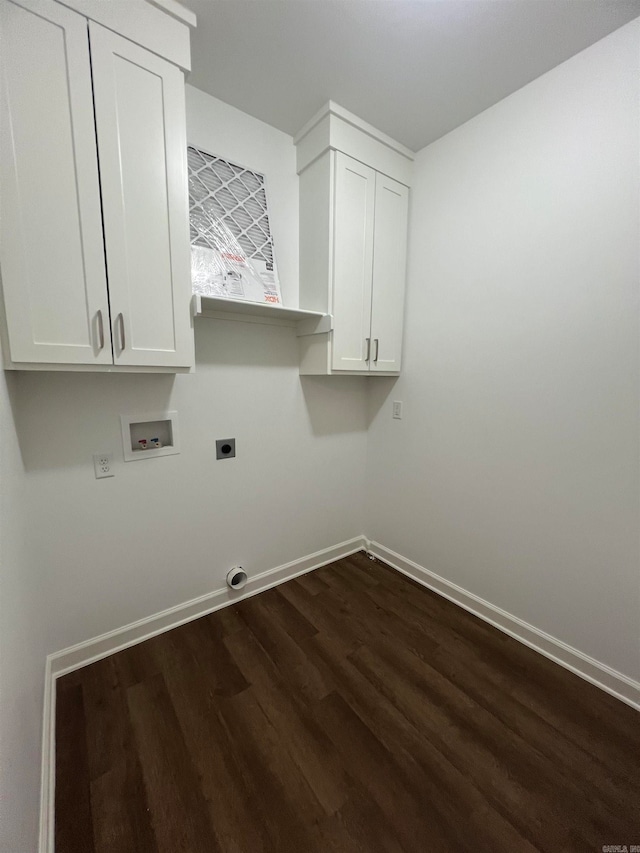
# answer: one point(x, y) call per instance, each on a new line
point(304, 322)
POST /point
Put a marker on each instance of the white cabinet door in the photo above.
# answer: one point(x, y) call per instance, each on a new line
point(352, 263)
point(51, 246)
point(389, 272)
point(140, 123)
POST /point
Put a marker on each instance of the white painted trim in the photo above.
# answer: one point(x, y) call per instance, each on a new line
point(82, 654)
point(331, 108)
point(67, 660)
point(48, 779)
point(143, 23)
point(176, 10)
point(597, 673)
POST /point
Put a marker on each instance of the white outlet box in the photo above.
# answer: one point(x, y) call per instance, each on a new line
point(397, 409)
point(103, 465)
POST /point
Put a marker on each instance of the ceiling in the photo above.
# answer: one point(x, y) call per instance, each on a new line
point(415, 69)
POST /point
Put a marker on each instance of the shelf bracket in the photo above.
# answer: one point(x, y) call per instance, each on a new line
point(315, 325)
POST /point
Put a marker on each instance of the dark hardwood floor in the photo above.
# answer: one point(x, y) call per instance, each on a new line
point(347, 710)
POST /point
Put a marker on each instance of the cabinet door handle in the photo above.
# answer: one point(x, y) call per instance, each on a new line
point(368, 355)
point(377, 343)
point(100, 330)
point(123, 341)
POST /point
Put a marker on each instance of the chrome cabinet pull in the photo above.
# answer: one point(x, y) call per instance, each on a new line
point(100, 330)
point(123, 342)
point(377, 343)
point(368, 355)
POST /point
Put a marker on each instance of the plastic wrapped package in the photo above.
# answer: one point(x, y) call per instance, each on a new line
point(231, 246)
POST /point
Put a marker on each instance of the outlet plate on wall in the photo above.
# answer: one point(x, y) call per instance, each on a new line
point(103, 465)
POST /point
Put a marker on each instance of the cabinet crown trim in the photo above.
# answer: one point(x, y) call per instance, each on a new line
point(176, 10)
point(337, 129)
point(331, 108)
point(161, 27)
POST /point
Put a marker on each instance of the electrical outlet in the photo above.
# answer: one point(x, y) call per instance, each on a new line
point(225, 448)
point(397, 409)
point(103, 465)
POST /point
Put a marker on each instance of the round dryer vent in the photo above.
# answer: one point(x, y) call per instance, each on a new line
point(237, 578)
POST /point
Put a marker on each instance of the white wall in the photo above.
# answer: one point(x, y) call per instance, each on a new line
point(514, 472)
point(22, 650)
point(105, 553)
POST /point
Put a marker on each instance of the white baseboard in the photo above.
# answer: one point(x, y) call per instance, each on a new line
point(67, 660)
point(48, 772)
point(603, 676)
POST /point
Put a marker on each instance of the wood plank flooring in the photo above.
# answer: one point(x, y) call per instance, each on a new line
point(347, 710)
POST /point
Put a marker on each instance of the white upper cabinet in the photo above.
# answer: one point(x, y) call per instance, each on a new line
point(354, 195)
point(140, 123)
point(389, 274)
point(355, 189)
point(94, 245)
point(51, 245)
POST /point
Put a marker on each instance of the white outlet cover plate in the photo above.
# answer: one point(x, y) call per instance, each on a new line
point(103, 465)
